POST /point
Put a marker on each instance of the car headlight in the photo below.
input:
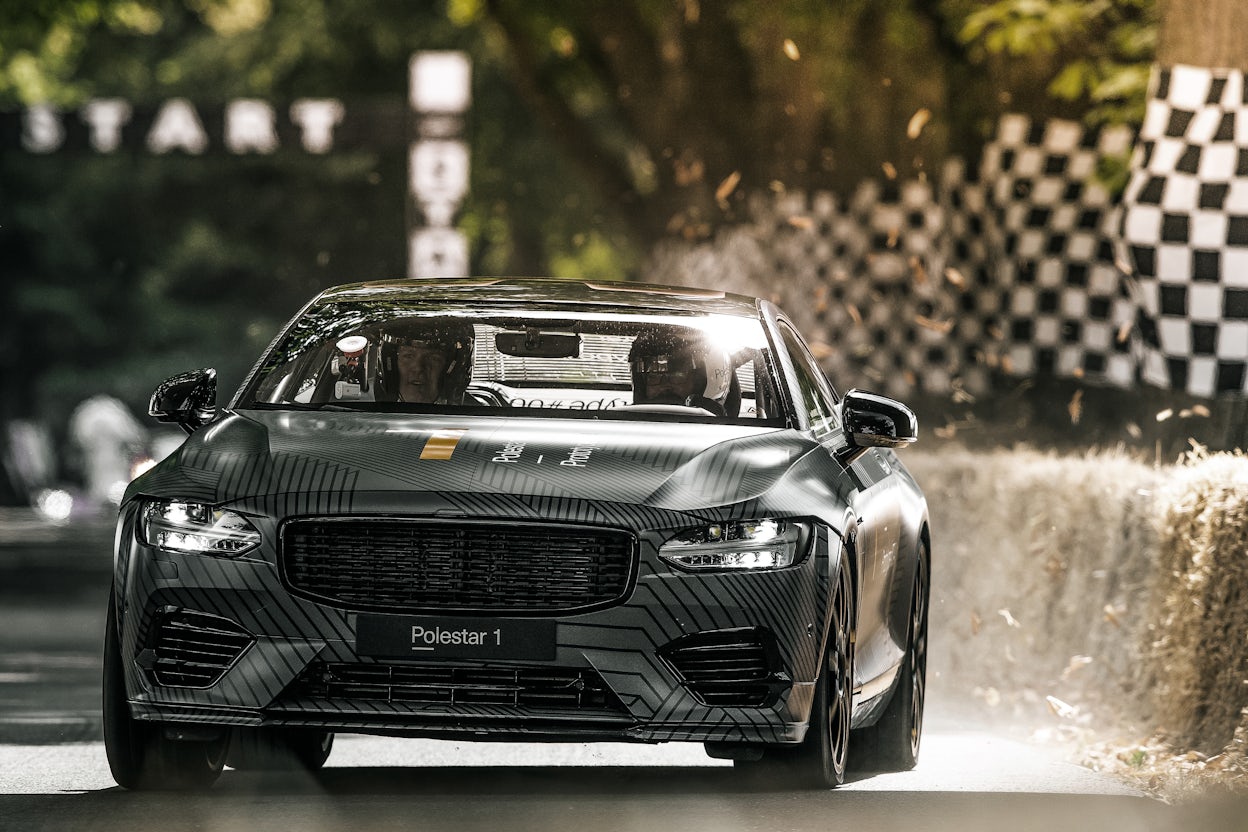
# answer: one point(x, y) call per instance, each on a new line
point(749, 544)
point(196, 528)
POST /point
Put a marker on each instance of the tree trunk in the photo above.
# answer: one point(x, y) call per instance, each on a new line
point(1206, 33)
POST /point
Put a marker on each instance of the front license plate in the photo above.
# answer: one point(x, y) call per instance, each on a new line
point(407, 637)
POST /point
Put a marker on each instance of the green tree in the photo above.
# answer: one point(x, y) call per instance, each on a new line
point(1097, 53)
point(676, 109)
point(596, 129)
point(119, 270)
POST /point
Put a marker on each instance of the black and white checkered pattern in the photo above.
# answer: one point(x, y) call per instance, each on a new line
point(1184, 231)
point(1063, 304)
point(861, 278)
point(875, 310)
point(976, 336)
point(1013, 268)
point(905, 287)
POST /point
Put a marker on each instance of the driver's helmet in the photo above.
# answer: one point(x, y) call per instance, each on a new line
point(678, 368)
point(453, 337)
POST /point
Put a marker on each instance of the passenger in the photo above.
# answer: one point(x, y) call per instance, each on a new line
point(425, 360)
point(669, 368)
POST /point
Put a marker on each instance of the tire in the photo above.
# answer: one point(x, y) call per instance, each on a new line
point(278, 749)
point(892, 744)
point(139, 755)
point(819, 761)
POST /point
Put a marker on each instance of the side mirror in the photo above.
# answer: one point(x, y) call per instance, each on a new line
point(187, 399)
point(873, 421)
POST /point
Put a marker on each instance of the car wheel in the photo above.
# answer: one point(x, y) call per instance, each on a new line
point(892, 744)
point(819, 761)
point(277, 749)
point(139, 755)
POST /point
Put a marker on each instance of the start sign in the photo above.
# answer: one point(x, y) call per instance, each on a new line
point(430, 124)
point(241, 126)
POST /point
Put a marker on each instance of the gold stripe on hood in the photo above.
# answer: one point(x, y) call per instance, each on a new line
point(442, 444)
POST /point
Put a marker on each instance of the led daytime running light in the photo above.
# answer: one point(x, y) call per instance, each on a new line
point(196, 528)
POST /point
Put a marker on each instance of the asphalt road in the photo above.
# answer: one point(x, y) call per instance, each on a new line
point(53, 775)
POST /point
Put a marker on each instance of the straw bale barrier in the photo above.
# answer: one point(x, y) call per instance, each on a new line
point(1091, 589)
point(1200, 603)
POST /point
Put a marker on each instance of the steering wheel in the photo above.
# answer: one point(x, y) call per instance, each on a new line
point(708, 404)
point(487, 394)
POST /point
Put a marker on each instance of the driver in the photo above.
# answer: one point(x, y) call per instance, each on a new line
point(668, 368)
point(425, 360)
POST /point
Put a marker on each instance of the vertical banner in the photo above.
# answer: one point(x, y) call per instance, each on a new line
point(1185, 230)
point(438, 163)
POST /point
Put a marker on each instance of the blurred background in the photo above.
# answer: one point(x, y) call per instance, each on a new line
point(1026, 218)
point(606, 141)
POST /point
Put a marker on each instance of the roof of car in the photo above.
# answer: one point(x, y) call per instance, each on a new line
point(546, 291)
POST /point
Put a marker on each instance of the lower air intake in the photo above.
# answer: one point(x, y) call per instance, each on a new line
point(729, 668)
point(546, 688)
point(189, 649)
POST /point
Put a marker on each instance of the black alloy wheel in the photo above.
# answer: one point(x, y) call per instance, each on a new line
point(892, 743)
point(834, 748)
point(819, 761)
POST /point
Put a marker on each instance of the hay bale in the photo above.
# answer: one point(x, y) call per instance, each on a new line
point(1042, 571)
point(1199, 645)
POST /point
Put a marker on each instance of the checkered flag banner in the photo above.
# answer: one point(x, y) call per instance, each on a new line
point(1184, 231)
point(862, 279)
point(1024, 266)
point(1061, 304)
point(976, 336)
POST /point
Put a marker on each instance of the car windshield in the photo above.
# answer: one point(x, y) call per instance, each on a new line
point(387, 356)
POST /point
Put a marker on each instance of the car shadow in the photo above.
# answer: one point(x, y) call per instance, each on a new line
point(516, 780)
point(554, 798)
point(492, 781)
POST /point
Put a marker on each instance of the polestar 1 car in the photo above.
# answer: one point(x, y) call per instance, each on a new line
point(527, 510)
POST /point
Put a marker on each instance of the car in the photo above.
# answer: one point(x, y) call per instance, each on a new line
point(524, 509)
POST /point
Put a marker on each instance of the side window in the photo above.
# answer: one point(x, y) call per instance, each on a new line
point(813, 388)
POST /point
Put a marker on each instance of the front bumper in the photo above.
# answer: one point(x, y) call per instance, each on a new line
point(615, 673)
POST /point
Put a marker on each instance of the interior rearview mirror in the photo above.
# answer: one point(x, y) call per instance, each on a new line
point(535, 344)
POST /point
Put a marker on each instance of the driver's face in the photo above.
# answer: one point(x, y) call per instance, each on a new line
point(670, 386)
point(674, 383)
point(420, 372)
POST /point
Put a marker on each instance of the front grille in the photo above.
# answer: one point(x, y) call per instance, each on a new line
point(189, 649)
point(729, 668)
point(418, 565)
point(545, 688)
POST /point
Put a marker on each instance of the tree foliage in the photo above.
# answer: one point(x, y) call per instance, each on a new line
point(596, 129)
point(121, 269)
point(677, 109)
point(1103, 48)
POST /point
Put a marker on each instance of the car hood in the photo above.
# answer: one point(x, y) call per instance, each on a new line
point(668, 465)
